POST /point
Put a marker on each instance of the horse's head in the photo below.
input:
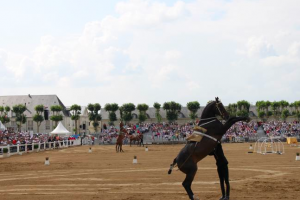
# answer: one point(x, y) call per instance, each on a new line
point(220, 109)
point(214, 108)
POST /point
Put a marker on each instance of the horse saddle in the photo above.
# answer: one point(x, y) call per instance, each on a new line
point(196, 137)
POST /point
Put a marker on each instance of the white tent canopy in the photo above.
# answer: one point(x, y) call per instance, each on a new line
point(60, 130)
point(2, 127)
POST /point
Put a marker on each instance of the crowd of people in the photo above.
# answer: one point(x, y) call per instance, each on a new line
point(9, 137)
point(163, 131)
point(271, 128)
point(279, 128)
point(175, 132)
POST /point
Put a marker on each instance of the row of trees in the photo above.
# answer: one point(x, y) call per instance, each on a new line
point(278, 109)
point(265, 109)
point(172, 109)
point(241, 108)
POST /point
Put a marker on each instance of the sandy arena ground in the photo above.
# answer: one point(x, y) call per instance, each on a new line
point(104, 174)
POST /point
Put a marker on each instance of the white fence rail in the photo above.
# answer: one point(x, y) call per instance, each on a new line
point(36, 147)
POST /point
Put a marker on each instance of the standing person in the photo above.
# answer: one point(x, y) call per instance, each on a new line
point(142, 139)
point(222, 167)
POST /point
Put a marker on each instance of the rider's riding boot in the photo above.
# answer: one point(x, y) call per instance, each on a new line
point(226, 198)
point(222, 198)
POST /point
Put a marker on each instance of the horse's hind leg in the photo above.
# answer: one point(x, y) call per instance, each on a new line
point(187, 183)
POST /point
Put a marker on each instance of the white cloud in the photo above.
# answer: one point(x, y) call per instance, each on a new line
point(148, 50)
point(259, 47)
point(291, 57)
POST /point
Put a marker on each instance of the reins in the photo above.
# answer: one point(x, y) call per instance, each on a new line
point(207, 118)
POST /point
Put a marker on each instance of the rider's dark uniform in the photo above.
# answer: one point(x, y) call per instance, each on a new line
point(222, 165)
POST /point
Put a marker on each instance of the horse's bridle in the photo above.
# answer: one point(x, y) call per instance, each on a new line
point(222, 113)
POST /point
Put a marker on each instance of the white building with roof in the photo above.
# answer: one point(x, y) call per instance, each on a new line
point(30, 101)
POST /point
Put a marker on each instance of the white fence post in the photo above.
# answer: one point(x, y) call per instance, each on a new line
point(39, 146)
point(18, 148)
point(8, 149)
point(26, 147)
point(45, 146)
point(32, 146)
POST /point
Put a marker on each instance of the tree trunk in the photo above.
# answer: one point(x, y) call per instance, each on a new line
point(38, 127)
point(19, 127)
point(76, 127)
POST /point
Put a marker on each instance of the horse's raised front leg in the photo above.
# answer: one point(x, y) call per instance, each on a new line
point(233, 120)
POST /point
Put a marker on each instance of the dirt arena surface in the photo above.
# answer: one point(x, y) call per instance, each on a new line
point(104, 174)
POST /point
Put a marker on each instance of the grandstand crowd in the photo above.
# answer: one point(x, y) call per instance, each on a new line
point(13, 138)
point(162, 131)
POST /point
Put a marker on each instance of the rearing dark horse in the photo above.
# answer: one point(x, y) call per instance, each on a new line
point(193, 152)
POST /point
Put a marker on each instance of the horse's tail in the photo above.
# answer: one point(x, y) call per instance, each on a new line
point(172, 166)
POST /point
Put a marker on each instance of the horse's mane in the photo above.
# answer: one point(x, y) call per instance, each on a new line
point(208, 108)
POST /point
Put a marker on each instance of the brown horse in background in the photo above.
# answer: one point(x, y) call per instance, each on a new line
point(119, 143)
point(120, 138)
point(137, 138)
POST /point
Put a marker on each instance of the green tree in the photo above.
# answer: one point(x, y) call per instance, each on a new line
point(142, 112)
point(94, 114)
point(4, 114)
point(193, 107)
point(284, 114)
point(267, 106)
point(20, 116)
point(275, 106)
point(56, 114)
point(75, 111)
point(38, 117)
point(172, 108)
point(292, 107)
point(298, 116)
point(261, 115)
point(243, 107)
point(111, 109)
point(232, 110)
point(126, 110)
point(260, 107)
point(296, 106)
point(283, 105)
point(157, 114)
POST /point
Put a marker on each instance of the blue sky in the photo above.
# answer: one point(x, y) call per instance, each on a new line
point(145, 51)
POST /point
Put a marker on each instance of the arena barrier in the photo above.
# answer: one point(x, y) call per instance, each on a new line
point(36, 147)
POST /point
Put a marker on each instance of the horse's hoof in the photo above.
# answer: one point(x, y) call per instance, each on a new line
point(195, 198)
